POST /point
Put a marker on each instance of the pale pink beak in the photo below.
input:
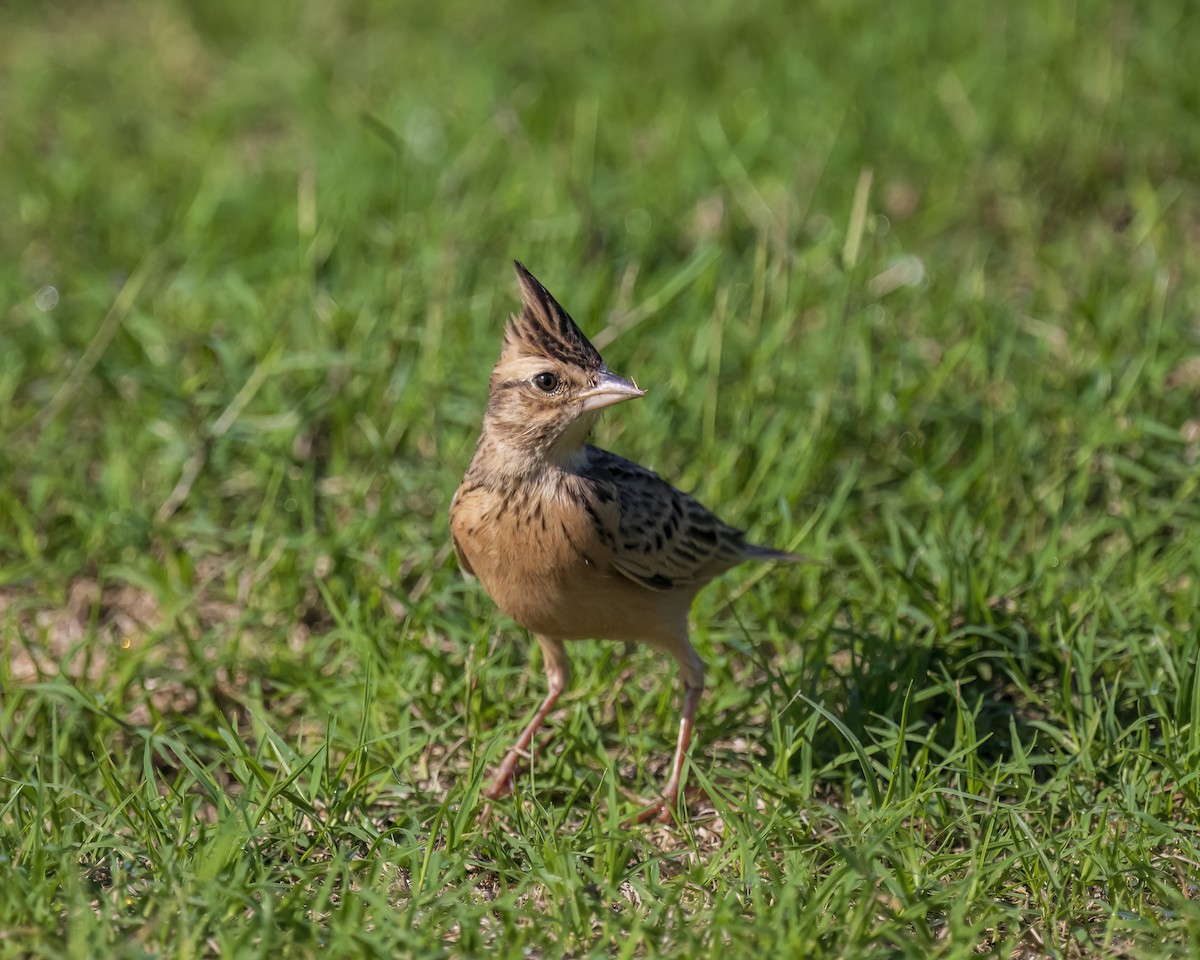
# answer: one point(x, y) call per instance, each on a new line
point(608, 390)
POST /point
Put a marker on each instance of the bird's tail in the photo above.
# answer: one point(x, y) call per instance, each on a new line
point(756, 552)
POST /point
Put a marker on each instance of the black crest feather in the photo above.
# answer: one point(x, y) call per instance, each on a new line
point(544, 329)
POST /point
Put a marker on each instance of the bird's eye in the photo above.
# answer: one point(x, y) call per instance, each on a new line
point(546, 381)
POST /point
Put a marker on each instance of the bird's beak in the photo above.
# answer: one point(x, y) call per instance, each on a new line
point(609, 389)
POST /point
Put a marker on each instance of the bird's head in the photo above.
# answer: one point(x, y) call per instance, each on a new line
point(550, 383)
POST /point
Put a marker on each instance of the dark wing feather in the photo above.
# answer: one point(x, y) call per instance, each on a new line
point(659, 536)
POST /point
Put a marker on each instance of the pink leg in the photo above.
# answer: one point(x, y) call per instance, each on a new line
point(665, 808)
point(558, 672)
point(503, 784)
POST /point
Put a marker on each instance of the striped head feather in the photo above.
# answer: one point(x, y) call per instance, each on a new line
point(544, 329)
point(547, 389)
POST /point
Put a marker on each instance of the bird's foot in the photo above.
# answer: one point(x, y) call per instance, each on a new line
point(661, 812)
point(506, 775)
point(502, 786)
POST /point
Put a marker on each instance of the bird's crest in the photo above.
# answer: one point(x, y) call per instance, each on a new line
point(545, 329)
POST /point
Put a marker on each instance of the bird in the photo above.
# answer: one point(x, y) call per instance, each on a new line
point(574, 542)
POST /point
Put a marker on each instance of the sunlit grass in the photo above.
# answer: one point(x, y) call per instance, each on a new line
point(913, 291)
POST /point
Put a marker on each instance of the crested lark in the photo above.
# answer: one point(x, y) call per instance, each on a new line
point(574, 542)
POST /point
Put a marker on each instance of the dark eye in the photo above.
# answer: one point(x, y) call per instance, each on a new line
point(546, 381)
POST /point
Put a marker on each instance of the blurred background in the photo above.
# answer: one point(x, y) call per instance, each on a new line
point(242, 246)
point(913, 288)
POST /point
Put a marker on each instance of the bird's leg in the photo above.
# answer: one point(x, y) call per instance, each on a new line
point(507, 771)
point(692, 669)
point(558, 672)
point(665, 808)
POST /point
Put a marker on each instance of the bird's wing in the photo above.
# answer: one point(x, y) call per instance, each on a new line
point(462, 557)
point(658, 536)
point(458, 550)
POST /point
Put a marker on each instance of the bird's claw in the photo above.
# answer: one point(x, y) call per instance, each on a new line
point(661, 812)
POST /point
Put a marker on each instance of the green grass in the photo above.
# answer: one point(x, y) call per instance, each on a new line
point(914, 289)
